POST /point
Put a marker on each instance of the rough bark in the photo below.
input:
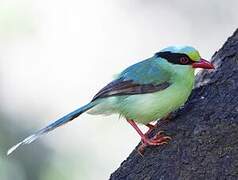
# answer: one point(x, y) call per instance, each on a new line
point(204, 131)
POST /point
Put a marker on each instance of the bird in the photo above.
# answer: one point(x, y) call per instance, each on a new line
point(143, 93)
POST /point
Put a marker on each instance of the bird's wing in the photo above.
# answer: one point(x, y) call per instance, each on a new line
point(141, 78)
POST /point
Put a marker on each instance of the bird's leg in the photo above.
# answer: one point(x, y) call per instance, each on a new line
point(133, 124)
point(157, 140)
point(161, 122)
point(151, 128)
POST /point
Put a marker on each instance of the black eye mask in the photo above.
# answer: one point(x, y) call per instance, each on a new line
point(175, 58)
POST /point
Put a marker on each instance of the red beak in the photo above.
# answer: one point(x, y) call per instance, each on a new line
point(203, 64)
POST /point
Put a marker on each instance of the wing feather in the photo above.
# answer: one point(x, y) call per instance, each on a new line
point(122, 87)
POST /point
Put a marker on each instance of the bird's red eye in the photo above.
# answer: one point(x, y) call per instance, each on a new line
point(183, 60)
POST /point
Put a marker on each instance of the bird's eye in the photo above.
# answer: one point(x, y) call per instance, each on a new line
point(183, 60)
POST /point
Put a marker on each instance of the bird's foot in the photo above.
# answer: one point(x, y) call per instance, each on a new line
point(161, 122)
point(157, 140)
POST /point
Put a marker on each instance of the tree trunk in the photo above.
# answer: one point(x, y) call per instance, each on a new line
point(204, 132)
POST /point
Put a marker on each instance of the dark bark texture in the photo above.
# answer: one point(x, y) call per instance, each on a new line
point(204, 132)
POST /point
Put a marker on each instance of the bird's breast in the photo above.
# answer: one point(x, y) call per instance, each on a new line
point(145, 108)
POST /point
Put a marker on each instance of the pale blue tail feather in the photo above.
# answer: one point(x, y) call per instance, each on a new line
point(67, 118)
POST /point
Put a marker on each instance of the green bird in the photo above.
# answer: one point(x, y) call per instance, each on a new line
point(144, 92)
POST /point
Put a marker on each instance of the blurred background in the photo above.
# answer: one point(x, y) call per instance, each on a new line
point(56, 54)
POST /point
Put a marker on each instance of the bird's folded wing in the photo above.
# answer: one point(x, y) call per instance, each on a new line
point(121, 87)
point(140, 78)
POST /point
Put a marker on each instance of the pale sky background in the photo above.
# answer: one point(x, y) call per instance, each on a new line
point(56, 54)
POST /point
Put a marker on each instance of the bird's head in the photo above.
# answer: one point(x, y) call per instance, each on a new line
point(184, 55)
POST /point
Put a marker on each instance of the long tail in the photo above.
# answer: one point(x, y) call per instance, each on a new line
point(52, 126)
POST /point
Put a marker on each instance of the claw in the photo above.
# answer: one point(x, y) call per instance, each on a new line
point(159, 134)
point(156, 140)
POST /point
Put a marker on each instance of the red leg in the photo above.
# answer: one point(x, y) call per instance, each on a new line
point(158, 139)
point(162, 121)
point(151, 128)
point(133, 124)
